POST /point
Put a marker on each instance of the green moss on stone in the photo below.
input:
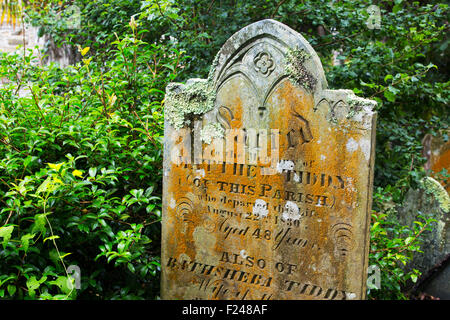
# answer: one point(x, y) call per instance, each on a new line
point(296, 70)
point(433, 187)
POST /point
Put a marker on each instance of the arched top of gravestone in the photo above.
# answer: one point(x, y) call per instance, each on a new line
point(274, 52)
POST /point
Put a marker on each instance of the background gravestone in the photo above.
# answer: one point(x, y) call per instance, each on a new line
point(282, 218)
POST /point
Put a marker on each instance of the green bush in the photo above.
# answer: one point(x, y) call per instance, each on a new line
point(80, 172)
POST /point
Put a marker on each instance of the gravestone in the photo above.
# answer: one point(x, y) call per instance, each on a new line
point(267, 176)
point(432, 201)
point(437, 152)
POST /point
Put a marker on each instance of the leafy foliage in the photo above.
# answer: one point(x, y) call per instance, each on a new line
point(80, 172)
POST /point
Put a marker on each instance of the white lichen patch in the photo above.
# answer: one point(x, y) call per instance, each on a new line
point(184, 101)
point(243, 254)
point(363, 144)
point(201, 172)
point(285, 165)
point(291, 211)
point(349, 185)
point(433, 187)
point(211, 131)
point(365, 148)
point(296, 70)
point(213, 67)
point(172, 203)
point(361, 110)
point(260, 208)
point(350, 295)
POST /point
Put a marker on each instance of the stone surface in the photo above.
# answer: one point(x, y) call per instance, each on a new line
point(439, 285)
point(431, 200)
point(11, 38)
point(284, 213)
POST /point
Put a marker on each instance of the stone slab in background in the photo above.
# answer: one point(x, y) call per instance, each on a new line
point(11, 38)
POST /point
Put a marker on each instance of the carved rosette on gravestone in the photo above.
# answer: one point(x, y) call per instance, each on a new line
point(267, 176)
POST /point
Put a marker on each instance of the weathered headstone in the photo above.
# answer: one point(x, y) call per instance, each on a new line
point(267, 176)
